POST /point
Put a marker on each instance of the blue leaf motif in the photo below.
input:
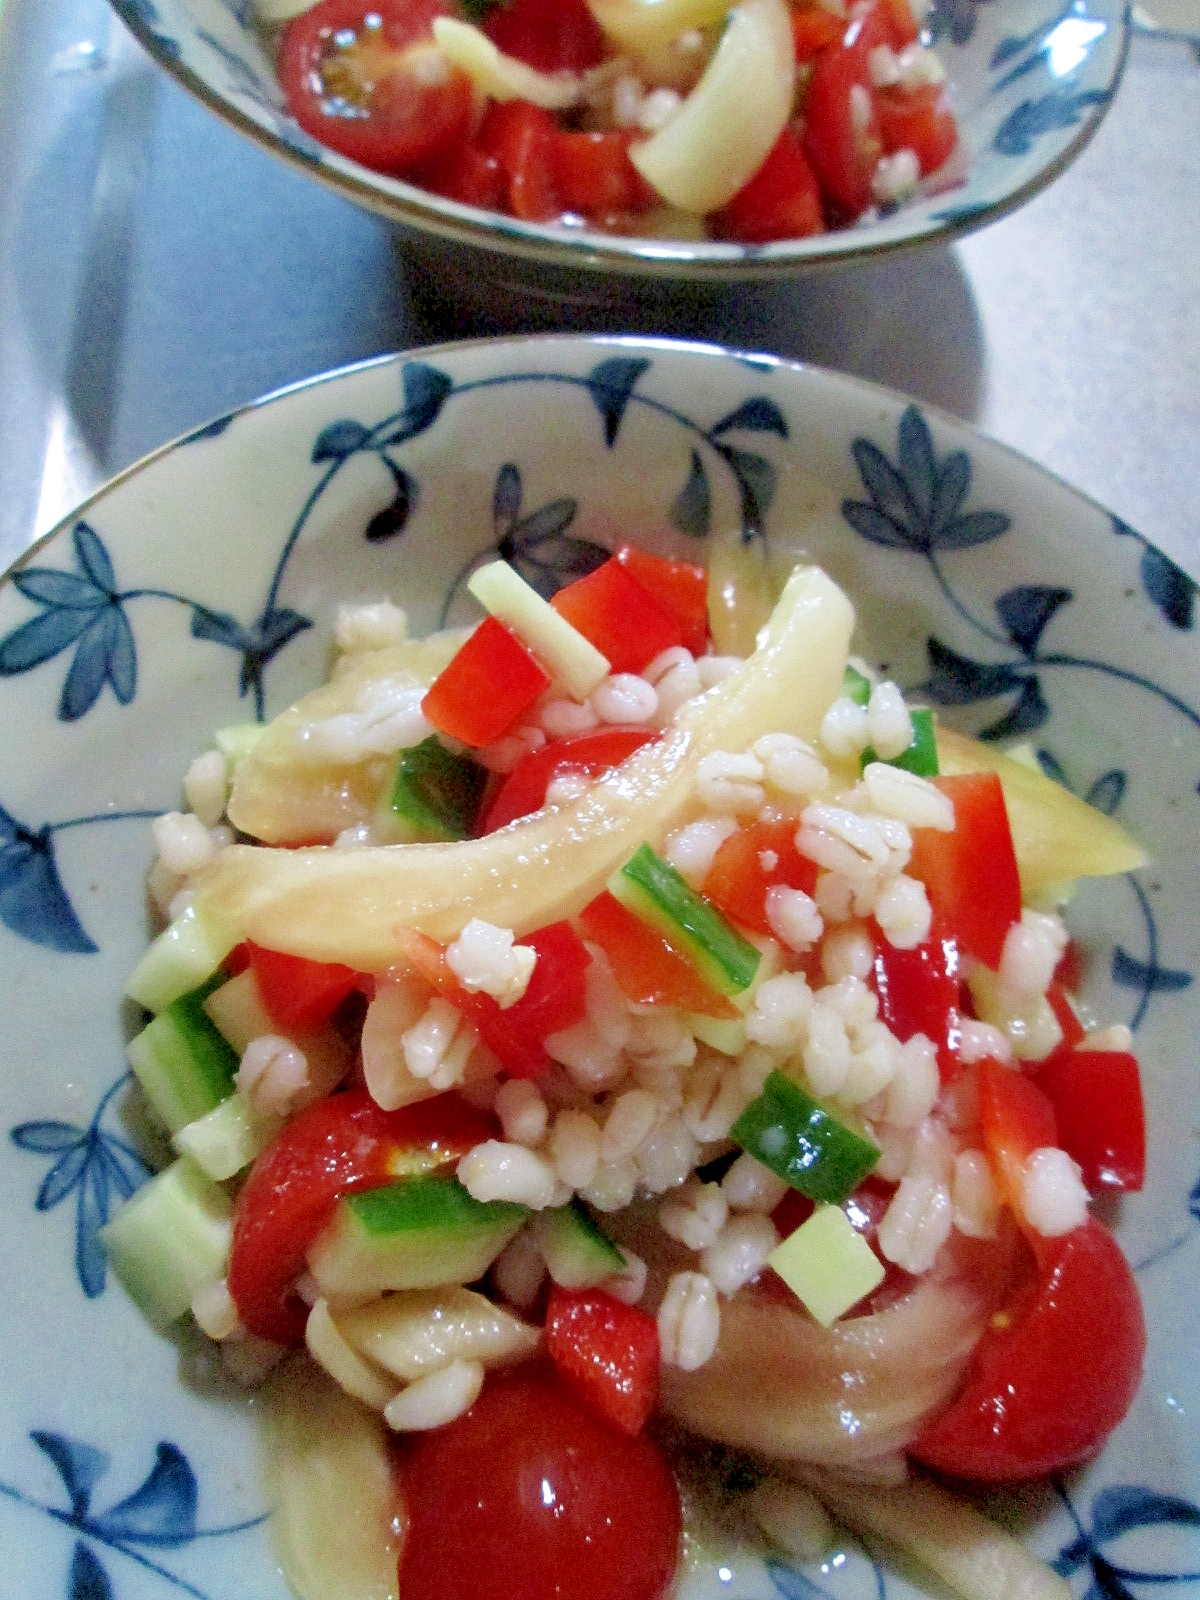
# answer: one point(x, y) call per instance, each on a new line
point(1130, 973)
point(425, 392)
point(1107, 792)
point(755, 477)
point(956, 680)
point(46, 1138)
point(33, 902)
point(63, 1175)
point(90, 1216)
point(88, 1579)
point(1028, 714)
point(610, 384)
point(949, 491)
point(105, 653)
point(1053, 767)
point(339, 440)
point(393, 519)
point(691, 509)
point(1058, 108)
point(791, 1584)
point(94, 559)
point(80, 1466)
point(506, 496)
point(978, 527)
point(61, 590)
point(890, 496)
point(1170, 588)
point(756, 415)
point(918, 464)
point(1125, 1507)
point(1026, 610)
point(162, 1511)
point(218, 627)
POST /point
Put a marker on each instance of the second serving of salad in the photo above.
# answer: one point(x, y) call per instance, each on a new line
point(590, 1058)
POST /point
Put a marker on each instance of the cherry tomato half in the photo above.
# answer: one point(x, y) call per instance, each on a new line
point(551, 35)
point(1053, 1375)
point(364, 78)
point(528, 1496)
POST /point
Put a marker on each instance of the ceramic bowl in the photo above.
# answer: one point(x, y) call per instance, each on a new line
point(198, 590)
point(1031, 80)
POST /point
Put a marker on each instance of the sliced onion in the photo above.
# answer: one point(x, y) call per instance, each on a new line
point(721, 135)
point(640, 26)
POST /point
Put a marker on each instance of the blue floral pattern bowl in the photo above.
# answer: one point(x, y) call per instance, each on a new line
point(1030, 79)
point(199, 590)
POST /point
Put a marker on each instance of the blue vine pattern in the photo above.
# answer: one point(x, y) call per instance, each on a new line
point(160, 1514)
point(1116, 1511)
point(99, 1168)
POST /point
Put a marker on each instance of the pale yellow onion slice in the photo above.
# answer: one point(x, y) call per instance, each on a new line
point(334, 1504)
point(276, 12)
point(783, 1386)
point(497, 75)
point(354, 905)
point(282, 795)
point(1057, 836)
point(722, 132)
point(641, 26)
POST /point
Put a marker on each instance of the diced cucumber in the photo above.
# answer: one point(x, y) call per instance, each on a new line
point(827, 1264)
point(237, 1011)
point(921, 756)
point(803, 1143)
point(564, 652)
point(183, 1063)
point(420, 1233)
point(437, 793)
point(576, 1253)
point(726, 1035)
point(169, 1239)
point(186, 953)
point(227, 1138)
point(236, 742)
point(856, 686)
point(654, 891)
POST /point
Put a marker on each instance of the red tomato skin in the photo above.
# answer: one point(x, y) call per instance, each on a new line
point(624, 621)
point(599, 750)
point(338, 1146)
point(814, 29)
point(487, 685)
point(1053, 1375)
point(919, 992)
point(970, 874)
point(299, 994)
point(522, 137)
point(528, 1496)
point(1097, 1099)
point(781, 201)
point(408, 123)
point(1015, 1118)
point(595, 175)
point(469, 175)
point(648, 969)
point(737, 881)
point(919, 120)
point(606, 1352)
point(843, 155)
point(551, 35)
point(681, 586)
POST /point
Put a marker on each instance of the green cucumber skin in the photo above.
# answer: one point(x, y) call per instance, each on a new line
point(921, 757)
point(652, 889)
point(437, 792)
point(856, 687)
point(577, 1254)
point(418, 1203)
point(169, 1239)
point(184, 1063)
point(803, 1143)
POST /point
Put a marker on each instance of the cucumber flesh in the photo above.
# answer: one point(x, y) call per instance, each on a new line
point(803, 1143)
point(420, 1233)
point(170, 1238)
point(654, 891)
point(183, 1063)
point(576, 1253)
point(438, 794)
point(226, 1139)
point(186, 953)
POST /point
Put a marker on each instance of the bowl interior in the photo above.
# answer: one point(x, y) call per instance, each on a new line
point(199, 590)
point(1030, 78)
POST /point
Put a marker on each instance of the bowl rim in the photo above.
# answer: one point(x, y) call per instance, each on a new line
point(865, 389)
point(419, 213)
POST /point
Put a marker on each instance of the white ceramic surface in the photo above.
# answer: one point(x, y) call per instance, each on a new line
point(1030, 79)
point(200, 587)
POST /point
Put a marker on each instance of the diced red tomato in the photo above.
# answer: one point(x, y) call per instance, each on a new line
point(898, 23)
point(781, 201)
point(529, 1495)
point(607, 1352)
point(681, 586)
point(468, 174)
point(750, 862)
point(591, 753)
point(842, 138)
point(1055, 1371)
point(551, 35)
point(624, 621)
point(352, 72)
point(1015, 1118)
point(919, 120)
point(595, 176)
point(970, 873)
point(1072, 1029)
point(920, 992)
point(300, 994)
point(556, 997)
point(338, 1146)
point(1068, 974)
point(486, 686)
point(1097, 1100)
point(813, 29)
point(649, 970)
point(522, 139)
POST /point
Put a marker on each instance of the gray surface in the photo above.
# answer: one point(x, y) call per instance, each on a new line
point(157, 270)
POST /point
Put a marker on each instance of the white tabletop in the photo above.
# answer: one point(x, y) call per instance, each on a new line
point(156, 270)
